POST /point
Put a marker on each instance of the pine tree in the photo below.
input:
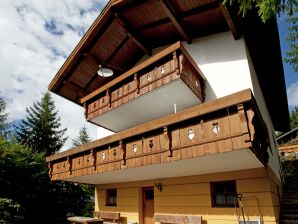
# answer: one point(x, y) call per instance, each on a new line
point(40, 130)
point(83, 137)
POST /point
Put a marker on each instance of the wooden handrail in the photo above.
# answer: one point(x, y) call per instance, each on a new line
point(148, 62)
point(199, 110)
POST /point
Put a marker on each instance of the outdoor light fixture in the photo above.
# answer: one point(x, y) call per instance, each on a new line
point(104, 72)
point(158, 185)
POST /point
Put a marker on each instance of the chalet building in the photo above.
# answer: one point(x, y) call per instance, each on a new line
point(194, 94)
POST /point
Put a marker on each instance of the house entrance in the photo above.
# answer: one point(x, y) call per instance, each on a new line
point(148, 205)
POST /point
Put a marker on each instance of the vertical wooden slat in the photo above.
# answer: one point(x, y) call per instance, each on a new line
point(122, 148)
point(167, 140)
point(243, 120)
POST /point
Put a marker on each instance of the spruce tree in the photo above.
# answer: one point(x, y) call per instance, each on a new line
point(40, 130)
point(83, 137)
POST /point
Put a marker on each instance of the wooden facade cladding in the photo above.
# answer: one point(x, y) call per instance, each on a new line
point(171, 64)
point(224, 125)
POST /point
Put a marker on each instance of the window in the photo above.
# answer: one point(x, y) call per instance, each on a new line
point(224, 194)
point(111, 197)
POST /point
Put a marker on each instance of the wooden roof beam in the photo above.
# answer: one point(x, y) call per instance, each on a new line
point(93, 58)
point(229, 20)
point(77, 88)
point(133, 35)
point(175, 21)
point(118, 48)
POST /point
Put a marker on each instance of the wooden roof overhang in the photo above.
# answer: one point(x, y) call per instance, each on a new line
point(126, 30)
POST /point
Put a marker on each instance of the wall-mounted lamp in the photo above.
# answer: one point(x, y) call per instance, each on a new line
point(104, 72)
point(158, 186)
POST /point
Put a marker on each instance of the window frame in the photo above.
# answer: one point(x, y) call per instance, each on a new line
point(111, 193)
point(226, 193)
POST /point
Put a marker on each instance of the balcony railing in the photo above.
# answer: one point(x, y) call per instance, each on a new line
point(224, 125)
point(172, 64)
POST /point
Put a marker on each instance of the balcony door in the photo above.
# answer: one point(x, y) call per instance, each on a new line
point(148, 205)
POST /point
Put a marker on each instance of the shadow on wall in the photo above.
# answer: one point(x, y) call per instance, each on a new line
point(216, 48)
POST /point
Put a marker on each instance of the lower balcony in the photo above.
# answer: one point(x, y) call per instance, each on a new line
point(222, 135)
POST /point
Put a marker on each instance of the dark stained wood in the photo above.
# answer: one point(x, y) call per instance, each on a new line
point(98, 62)
point(133, 35)
point(229, 124)
point(169, 12)
point(148, 206)
point(199, 110)
point(162, 72)
point(203, 8)
point(117, 49)
point(145, 64)
point(196, 18)
point(230, 21)
point(101, 26)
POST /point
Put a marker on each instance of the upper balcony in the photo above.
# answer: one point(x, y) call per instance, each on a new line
point(167, 82)
point(221, 135)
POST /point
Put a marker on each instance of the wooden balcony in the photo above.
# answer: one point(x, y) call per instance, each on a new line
point(152, 89)
point(224, 134)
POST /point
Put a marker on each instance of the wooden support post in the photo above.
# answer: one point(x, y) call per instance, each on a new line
point(176, 62)
point(167, 140)
point(86, 110)
point(229, 21)
point(244, 122)
point(50, 165)
point(137, 83)
point(122, 147)
point(108, 94)
point(93, 156)
point(175, 21)
point(69, 161)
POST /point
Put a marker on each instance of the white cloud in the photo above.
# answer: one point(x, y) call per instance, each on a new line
point(36, 37)
point(292, 92)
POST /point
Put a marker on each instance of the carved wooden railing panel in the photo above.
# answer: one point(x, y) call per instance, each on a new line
point(172, 64)
point(224, 125)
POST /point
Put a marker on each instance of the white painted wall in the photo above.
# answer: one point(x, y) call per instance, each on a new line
point(228, 69)
point(224, 63)
point(274, 161)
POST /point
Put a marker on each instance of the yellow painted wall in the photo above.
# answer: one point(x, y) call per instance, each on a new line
point(191, 195)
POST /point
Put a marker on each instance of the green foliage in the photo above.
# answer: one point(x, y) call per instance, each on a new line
point(294, 118)
point(24, 179)
point(266, 8)
point(9, 211)
point(292, 54)
point(40, 130)
point(83, 137)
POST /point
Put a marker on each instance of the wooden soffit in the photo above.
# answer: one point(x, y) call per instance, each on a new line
point(126, 30)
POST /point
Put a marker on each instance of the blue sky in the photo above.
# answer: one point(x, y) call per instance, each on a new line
point(290, 77)
point(37, 36)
